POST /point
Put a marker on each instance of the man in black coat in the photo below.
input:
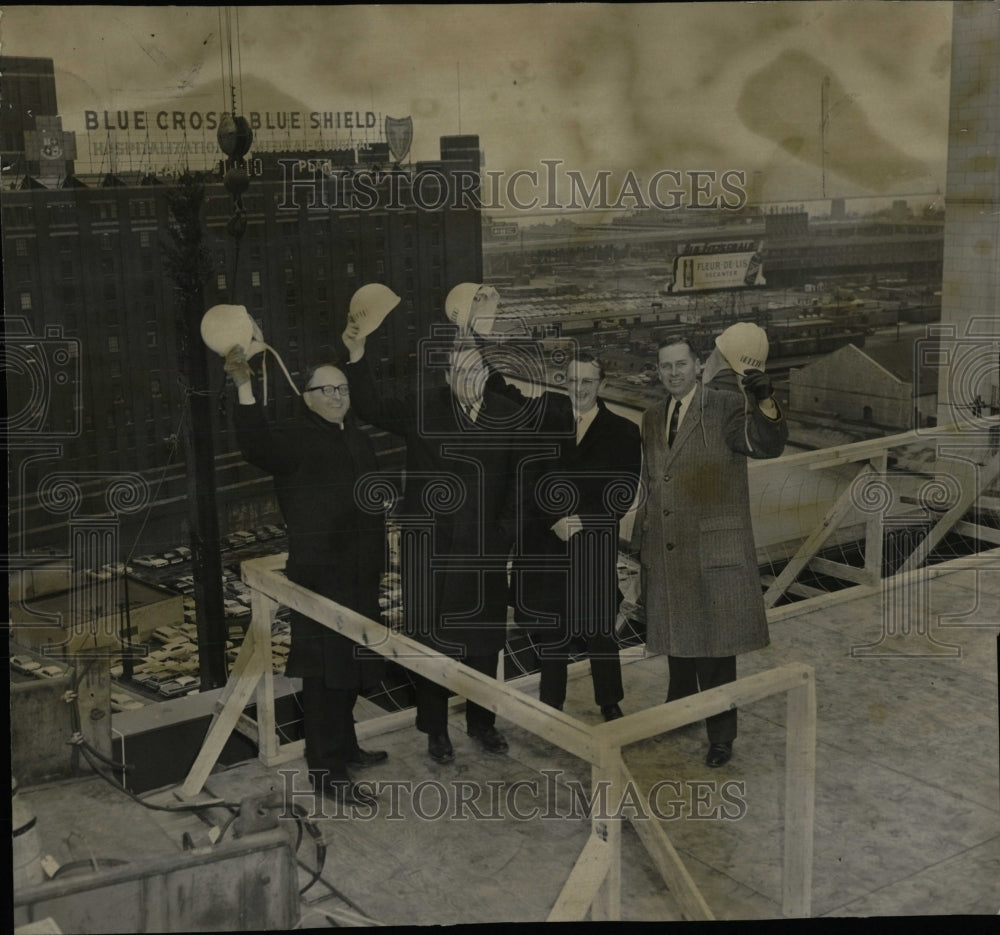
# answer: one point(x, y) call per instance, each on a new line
point(457, 522)
point(334, 549)
point(565, 577)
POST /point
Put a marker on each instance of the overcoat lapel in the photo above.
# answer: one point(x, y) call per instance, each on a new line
point(692, 418)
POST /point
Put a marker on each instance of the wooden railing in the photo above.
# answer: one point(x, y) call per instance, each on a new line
point(963, 470)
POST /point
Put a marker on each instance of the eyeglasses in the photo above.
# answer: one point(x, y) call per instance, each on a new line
point(330, 391)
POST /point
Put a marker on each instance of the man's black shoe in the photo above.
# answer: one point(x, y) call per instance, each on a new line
point(367, 757)
point(490, 739)
point(343, 790)
point(439, 747)
point(611, 712)
point(719, 754)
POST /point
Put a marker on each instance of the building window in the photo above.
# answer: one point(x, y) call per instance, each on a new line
point(289, 276)
point(21, 247)
point(25, 301)
point(108, 266)
point(116, 368)
point(255, 278)
point(220, 282)
point(350, 269)
point(112, 344)
point(144, 239)
point(380, 266)
point(154, 387)
point(106, 243)
point(151, 339)
point(110, 291)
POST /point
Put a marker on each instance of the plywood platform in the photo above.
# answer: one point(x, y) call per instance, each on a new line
point(906, 810)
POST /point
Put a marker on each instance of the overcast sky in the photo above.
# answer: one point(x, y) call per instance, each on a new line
point(620, 87)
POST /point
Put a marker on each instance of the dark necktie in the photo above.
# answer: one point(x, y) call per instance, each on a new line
point(672, 431)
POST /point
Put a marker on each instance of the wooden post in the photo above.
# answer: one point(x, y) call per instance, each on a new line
point(263, 608)
point(607, 904)
point(874, 530)
point(800, 778)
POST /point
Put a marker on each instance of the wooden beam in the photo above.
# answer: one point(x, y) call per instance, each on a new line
point(841, 508)
point(218, 733)
point(839, 570)
point(665, 717)
point(587, 875)
point(980, 561)
point(803, 590)
point(875, 530)
point(262, 609)
point(800, 783)
point(562, 730)
point(857, 451)
point(980, 533)
point(607, 904)
point(675, 875)
point(971, 487)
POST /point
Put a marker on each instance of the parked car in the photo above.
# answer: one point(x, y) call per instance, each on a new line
point(179, 686)
point(173, 558)
point(49, 672)
point(184, 552)
point(151, 561)
point(24, 664)
point(274, 532)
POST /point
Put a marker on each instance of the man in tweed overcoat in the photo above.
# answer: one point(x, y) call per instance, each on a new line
point(702, 590)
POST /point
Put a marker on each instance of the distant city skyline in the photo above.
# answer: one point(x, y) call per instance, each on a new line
point(640, 89)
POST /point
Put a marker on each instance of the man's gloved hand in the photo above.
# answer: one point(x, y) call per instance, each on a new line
point(758, 385)
point(354, 341)
point(237, 367)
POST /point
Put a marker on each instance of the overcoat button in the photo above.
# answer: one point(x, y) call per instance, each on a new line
point(670, 546)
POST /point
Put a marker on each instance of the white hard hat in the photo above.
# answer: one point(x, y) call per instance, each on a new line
point(469, 301)
point(369, 306)
point(224, 327)
point(744, 345)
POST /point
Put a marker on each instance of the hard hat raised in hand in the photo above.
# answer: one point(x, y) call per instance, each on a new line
point(472, 306)
point(224, 327)
point(744, 345)
point(369, 306)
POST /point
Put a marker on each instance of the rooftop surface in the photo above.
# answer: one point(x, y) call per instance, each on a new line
point(907, 820)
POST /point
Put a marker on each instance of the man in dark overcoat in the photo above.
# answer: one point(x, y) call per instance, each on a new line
point(334, 549)
point(457, 522)
point(702, 589)
point(564, 576)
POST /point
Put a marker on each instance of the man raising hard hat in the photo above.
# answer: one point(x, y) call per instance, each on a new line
point(701, 587)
